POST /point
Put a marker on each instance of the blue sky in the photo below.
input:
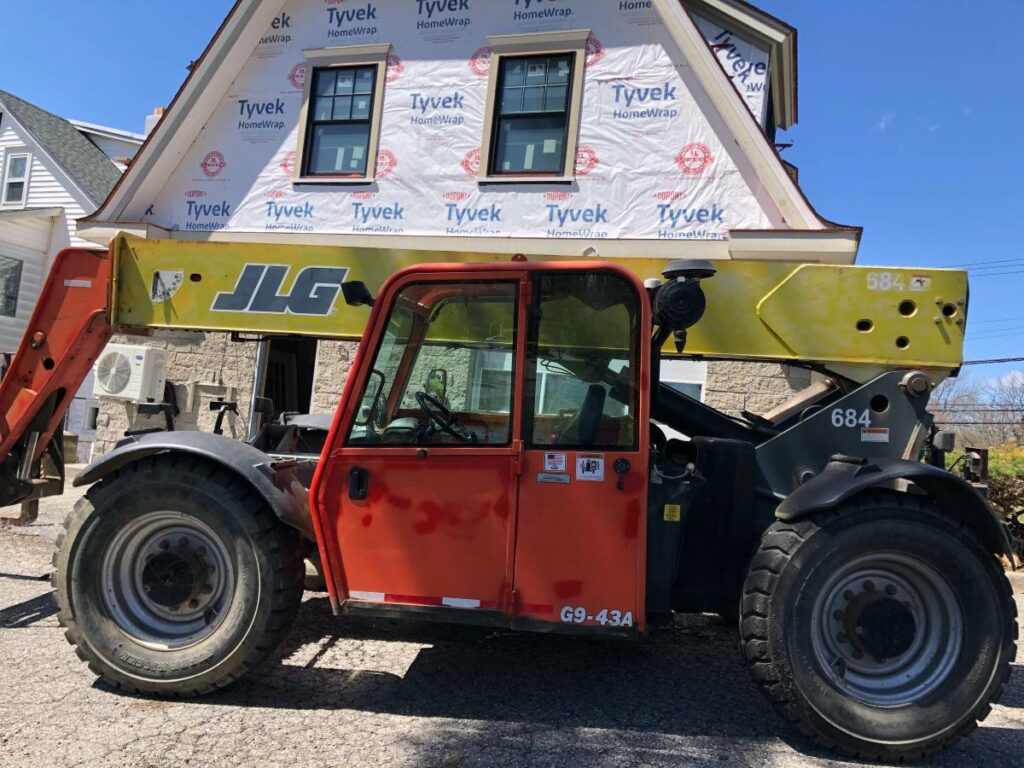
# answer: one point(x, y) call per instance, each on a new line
point(910, 125)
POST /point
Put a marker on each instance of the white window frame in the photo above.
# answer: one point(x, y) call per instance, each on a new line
point(671, 374)
point(10, 156)
point(543, 43)
point(346, 56)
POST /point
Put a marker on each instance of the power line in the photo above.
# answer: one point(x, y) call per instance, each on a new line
point(972, 405)
point(997, 320)
point(983, 263)
point(983, 409)
point(997, 274)
point(1002, 335)
point(980, 423)
point(1005, 329)
point(994, 361)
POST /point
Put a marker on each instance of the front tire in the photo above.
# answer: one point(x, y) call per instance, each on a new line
point(882, 629)
point(173, 577)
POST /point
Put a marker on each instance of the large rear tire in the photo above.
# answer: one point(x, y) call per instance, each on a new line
point(882, 630)
point(173, 577)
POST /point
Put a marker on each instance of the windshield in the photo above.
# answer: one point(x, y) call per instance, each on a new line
point(443, 371)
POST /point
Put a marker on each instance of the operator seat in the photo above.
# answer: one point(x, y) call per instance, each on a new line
point(588, 421)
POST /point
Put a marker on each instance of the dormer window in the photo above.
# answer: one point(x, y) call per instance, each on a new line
point(15, 184)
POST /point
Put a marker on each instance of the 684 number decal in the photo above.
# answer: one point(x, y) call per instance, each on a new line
point(604, 617)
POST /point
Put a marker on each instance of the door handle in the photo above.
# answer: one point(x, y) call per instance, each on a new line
point(358, 484)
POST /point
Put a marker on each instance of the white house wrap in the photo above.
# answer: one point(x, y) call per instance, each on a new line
point(650, 164)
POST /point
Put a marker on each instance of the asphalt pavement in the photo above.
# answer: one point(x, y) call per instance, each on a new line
point(359, 693)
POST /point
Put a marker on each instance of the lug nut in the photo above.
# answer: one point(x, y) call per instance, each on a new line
point(165, 545)
point(193, 603)
point(838, 615)
point(183, 542)
point(848, 595)
point(207, 589)
point(201, 552)
point(869, 586)
point(174, 608)
point(890, 590)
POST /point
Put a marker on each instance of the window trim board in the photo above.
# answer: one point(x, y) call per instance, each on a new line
point(341, 57)
point(572, 42)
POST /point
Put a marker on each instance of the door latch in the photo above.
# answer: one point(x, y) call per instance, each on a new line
point(621, 467)
point(358, 484)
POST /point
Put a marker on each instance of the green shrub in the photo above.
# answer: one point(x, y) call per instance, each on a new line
point(1005, 462)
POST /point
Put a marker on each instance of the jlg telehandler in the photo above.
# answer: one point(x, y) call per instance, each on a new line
point(499, 457)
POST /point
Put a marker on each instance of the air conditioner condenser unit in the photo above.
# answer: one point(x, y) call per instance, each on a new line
point(132, 373)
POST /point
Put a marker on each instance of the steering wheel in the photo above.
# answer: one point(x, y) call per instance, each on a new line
point(442, 419)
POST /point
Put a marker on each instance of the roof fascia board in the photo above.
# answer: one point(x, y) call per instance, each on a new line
point(70, 185)
point(767, 30)
point(775, 35)
point(110, 133)
point(31, 213)
point(737, 117)
point(192, 107)
point(103, 233)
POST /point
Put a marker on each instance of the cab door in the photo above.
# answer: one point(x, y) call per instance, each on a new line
point(581, 538)
point(417, 501)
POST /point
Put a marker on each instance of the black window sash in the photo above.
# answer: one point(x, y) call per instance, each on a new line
point(500, 118)
point(307, 161)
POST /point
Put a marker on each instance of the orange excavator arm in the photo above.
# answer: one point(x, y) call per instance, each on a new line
point(68, 330)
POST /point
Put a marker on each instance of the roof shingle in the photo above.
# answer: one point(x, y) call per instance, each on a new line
point(78, 157)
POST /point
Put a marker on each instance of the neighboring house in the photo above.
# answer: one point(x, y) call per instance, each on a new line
point(558, 128)
point(53, 172)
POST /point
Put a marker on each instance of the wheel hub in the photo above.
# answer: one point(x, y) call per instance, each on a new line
point(167, 580)
point(886, 629)
point(883, 628)
point(173, 578)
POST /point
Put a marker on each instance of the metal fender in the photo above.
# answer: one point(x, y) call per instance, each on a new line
point(287, 497)
point(842, 480)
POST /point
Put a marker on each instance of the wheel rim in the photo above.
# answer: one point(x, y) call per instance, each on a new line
point(167, 580)
point(887, 629)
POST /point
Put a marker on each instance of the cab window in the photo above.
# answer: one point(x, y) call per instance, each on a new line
point(581, 389)
point(444, 370)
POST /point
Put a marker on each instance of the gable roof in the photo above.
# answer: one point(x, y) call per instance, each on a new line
point(229, 50)
point(83, 162)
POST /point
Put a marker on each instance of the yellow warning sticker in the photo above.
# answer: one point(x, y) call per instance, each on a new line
point(673, 513)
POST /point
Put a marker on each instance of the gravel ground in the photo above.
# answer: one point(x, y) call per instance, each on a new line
point(347, 693)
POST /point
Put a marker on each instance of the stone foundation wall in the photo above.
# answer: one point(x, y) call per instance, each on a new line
point(755, 387)
point(333, 363)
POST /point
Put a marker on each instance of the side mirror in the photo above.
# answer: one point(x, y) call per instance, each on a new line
point(437, 384)
point(368, 410)
point(357, 294)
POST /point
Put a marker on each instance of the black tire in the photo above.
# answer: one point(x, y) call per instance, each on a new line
point(220, 577)
point(787, 616)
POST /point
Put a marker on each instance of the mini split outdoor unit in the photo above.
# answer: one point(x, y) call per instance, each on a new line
point(135, 374)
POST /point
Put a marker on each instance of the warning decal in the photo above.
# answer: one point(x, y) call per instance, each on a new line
point(590, 467)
